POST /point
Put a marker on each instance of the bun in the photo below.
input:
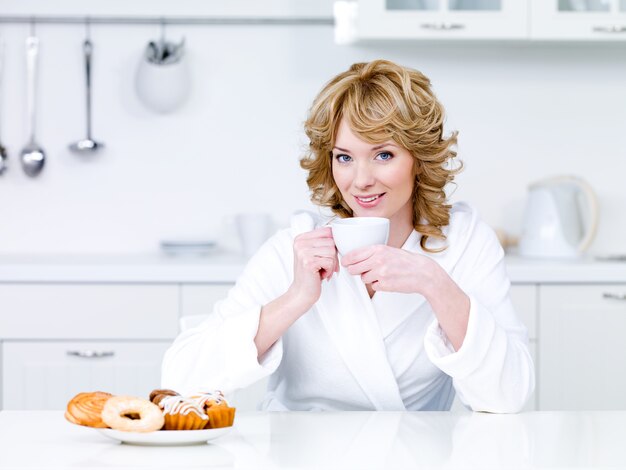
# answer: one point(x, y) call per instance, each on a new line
point(85, 409)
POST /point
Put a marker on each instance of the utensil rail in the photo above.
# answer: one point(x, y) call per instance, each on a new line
point(202, 20)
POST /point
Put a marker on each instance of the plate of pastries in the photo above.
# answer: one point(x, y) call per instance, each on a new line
point(165, 418)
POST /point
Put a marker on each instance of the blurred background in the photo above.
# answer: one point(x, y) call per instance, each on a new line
point(525, 109)
point(191, 147)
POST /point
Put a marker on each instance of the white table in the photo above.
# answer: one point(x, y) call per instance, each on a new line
point(338, 440)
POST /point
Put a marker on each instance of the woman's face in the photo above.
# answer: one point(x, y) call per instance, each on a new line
point(376, 180)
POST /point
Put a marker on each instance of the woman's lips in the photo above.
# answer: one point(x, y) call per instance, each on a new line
point(369, 201)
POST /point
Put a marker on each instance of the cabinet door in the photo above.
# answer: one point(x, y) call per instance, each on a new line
point(524, 298)
point(582, 355)
point(443, 19)
point(589, 20)
point(197, 301)
point(46, 375)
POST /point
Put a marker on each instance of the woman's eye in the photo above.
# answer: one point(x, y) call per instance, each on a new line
point(384, 156)
point(343, 158)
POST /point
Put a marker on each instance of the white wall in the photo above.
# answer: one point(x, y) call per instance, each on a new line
point(524, 111)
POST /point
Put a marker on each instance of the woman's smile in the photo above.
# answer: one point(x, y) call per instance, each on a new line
point(369, 201)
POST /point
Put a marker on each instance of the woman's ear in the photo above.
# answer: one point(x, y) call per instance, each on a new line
point(417, 169)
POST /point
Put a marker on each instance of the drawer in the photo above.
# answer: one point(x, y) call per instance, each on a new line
point(524, 298)
point(46, 375)
point(88, 311)
point(596, 297)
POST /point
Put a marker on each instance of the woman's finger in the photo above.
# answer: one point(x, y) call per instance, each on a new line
point(325, 268)
point(369, 277)
point(361, 267)
point(358, 255)
point(322, 232)
point(320, 252)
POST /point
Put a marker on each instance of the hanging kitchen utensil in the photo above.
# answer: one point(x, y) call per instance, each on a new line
point(87, 145)
point(3, 151)
point(162, 80)
point(32, 156)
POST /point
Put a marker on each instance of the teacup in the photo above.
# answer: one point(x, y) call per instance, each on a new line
point(358, 232)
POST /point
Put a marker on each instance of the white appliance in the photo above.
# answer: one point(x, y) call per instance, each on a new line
point(560, 218)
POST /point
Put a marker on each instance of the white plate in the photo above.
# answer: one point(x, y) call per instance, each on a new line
point(165, 438)
point(191, 247)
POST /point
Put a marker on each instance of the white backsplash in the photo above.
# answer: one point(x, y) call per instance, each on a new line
point(524, 111)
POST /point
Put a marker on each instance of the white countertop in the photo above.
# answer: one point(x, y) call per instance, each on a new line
point(583, 270)
point(218, 267)
point(338, 440)
point(225, 267)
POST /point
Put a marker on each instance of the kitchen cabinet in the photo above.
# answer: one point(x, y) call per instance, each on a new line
point(47, 374)
point(134, 308)
point(588, 20)
point(442, 19)
point(59, 339)
point(583, 352)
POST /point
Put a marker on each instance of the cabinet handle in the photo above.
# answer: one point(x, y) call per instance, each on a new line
point(609, 29)
point(89, 354)
point(443, 26)
point(608, 295)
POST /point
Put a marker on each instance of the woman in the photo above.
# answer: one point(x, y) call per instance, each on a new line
point(397, 326)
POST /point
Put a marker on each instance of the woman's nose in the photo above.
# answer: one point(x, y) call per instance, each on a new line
point(363, 177)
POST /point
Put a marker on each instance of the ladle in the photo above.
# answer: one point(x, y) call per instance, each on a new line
point(3, 151)
point(87, 145)
point(32, 156)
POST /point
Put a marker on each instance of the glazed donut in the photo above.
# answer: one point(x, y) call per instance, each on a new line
point(132, 414)
point(85, 409)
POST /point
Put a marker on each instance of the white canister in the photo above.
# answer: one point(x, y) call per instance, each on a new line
point(253, 228)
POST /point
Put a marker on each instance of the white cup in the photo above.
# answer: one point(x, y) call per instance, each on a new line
point(253, 229)
point(358, 232)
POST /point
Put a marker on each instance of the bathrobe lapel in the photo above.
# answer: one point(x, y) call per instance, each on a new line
point(349, 317)
point(395, 307)
point(350, 320)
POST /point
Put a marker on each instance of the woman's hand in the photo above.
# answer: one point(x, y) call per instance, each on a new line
point(395, 270)
point(391, 269)
point(315, 259)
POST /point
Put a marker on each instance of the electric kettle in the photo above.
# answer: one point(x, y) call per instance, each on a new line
point(560, 218)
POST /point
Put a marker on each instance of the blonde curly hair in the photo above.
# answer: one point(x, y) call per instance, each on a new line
point(383, 101)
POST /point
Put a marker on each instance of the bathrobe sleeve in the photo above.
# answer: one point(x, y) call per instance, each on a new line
point(220, 354)
point(492, 370)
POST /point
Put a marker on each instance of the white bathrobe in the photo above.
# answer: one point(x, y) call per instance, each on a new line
point(350, 352)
